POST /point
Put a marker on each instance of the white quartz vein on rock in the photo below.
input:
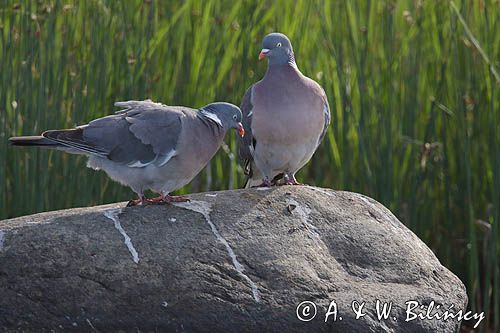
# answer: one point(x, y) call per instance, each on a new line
point(204, 208)
point(112, 214)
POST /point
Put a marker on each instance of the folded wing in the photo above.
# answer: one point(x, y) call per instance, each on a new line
point(142, 133)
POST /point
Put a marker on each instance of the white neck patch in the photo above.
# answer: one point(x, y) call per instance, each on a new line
point(211, 116)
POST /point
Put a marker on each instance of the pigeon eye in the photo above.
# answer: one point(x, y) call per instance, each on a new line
point(278, 45)
point(234, 117)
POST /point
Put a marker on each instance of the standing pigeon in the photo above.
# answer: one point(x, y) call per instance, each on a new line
point(147, 145)
point(285, 116)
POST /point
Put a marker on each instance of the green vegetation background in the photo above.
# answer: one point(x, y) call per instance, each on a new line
point(413, 87)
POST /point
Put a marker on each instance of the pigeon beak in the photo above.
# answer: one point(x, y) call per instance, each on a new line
point(241, 130)
point(263, 53)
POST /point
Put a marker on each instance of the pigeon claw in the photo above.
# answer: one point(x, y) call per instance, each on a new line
point(176, 198)
point(290, 180)
point(161, 200)
point(133, 202)
point(265, 183)
point(156, 201)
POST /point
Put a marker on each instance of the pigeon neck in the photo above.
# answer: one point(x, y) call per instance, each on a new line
point(282, 61)
point(212, 121)
point(276, 71)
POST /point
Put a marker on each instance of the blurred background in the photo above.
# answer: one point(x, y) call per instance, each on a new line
point(413, 86)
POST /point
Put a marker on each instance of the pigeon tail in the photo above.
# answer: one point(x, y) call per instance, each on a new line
point(36, 140)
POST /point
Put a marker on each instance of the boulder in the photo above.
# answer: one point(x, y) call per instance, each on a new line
point(285, 259)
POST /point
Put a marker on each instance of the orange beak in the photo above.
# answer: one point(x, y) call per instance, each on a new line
point(263, 53)
point(241, 130)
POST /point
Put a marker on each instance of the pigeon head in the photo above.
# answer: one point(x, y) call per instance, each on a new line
point(225, 115)
point(278, 49)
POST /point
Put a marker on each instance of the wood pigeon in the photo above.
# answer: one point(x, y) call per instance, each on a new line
point(285, 116)
point(147, 145)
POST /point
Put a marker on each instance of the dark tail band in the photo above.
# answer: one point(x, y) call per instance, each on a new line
point(31, 141)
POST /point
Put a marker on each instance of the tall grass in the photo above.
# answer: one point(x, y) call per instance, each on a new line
point(413, 88)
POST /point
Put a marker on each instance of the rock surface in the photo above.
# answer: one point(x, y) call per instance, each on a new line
point(229, 261)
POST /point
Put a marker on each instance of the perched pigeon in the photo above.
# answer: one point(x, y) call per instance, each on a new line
point(285, 116)
point(147, 145)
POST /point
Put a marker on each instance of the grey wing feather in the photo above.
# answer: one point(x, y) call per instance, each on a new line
point(141, 134)
point(156, 126)
point(71, 140)
point(130, 105)
point(159, 127)
point(327, 115)
point(247, 142)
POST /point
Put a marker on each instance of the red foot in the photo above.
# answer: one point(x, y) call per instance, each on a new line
point(155, 201)
point(291, 180)
point(161, 200)
point(133, 202)
point(175, 198)
point(265, 183)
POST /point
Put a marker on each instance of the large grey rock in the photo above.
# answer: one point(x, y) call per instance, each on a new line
point(227, 261)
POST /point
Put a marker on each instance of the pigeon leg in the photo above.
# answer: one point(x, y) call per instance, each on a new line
point(165, 198)
point(290, 179)
point(157, 201)
point(265, 183)
point(174, 198)
point(140, 201)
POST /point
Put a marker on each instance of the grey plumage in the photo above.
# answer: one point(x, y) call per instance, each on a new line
point(285, 115)
point(147, 145)
point(247, 142)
